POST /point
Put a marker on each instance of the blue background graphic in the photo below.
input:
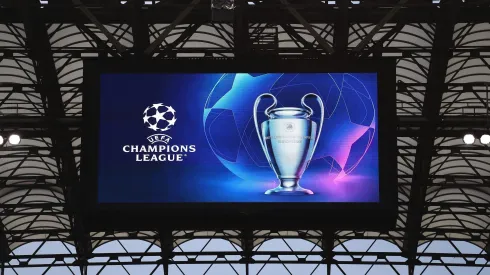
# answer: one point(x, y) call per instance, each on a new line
point(214, 113)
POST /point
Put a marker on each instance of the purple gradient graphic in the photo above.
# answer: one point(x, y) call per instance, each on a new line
point(338, 136)
point(345, 143)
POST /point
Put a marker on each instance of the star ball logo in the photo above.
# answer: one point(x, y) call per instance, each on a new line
point(159, 118)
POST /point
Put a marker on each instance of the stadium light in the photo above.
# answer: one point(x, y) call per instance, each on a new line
point(1, 140)
point(469, 139)
point(485, 139)
point(14, 139)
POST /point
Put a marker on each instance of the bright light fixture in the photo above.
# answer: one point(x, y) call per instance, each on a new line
point(485, 139)
point(1, 140)
point(469, 139)
point(14, 139)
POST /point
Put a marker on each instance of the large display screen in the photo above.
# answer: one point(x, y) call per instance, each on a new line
point(238, 138)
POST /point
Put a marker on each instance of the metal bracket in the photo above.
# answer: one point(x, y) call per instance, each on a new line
point(119, 47)
point(308, 27)
point(378, 26)
point(169, 28)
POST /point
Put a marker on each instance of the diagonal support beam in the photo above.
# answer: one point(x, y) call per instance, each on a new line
point(151, 49)
point(100, 43)
point(119, 47)
point(380, 25)
point(443, 42)
point(184, 36)
point(295, 35)
point(323, 43)
point(398, 27)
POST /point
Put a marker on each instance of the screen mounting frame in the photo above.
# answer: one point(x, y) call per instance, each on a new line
point(290, 216)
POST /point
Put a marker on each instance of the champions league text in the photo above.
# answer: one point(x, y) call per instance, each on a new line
point(159, 152)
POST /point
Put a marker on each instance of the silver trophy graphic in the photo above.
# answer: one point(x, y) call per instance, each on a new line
point(289, 138)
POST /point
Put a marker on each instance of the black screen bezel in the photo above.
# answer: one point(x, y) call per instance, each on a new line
point(130, 216)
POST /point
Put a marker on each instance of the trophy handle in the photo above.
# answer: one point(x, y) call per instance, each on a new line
point(259, 133)
point(322, 115)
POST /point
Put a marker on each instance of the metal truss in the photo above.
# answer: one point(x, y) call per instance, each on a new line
point(443, 84)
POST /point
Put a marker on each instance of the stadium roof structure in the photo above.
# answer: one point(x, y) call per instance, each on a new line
point(442, 50)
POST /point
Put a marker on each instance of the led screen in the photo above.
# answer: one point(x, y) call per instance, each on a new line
point(238, 137)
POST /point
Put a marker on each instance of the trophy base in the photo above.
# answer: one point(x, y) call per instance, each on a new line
point(289, 188)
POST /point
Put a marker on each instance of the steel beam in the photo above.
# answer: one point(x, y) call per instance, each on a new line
point(297, 37)
point(141, 32)
point(39, 48)
point(155, 44)
point(119, 47)
point(323, 43)
point(4, 247)
point(100, 44)
point(241, 36)
point(254, 253)
point(328, 254)
point(380, 25)
point(341, 28)
point(443, 42)
point(248, 252)
point(338, 263)
point(166, 246)
point(376, 48)
point(184, 36)
point(165, 14)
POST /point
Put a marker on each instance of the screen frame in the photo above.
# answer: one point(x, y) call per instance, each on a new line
point(129, 216)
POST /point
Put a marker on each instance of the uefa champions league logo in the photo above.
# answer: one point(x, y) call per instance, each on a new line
point(159, 118)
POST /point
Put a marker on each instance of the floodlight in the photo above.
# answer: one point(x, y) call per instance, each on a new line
point(469, 139)
point(485, 139)
point(14, 139)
